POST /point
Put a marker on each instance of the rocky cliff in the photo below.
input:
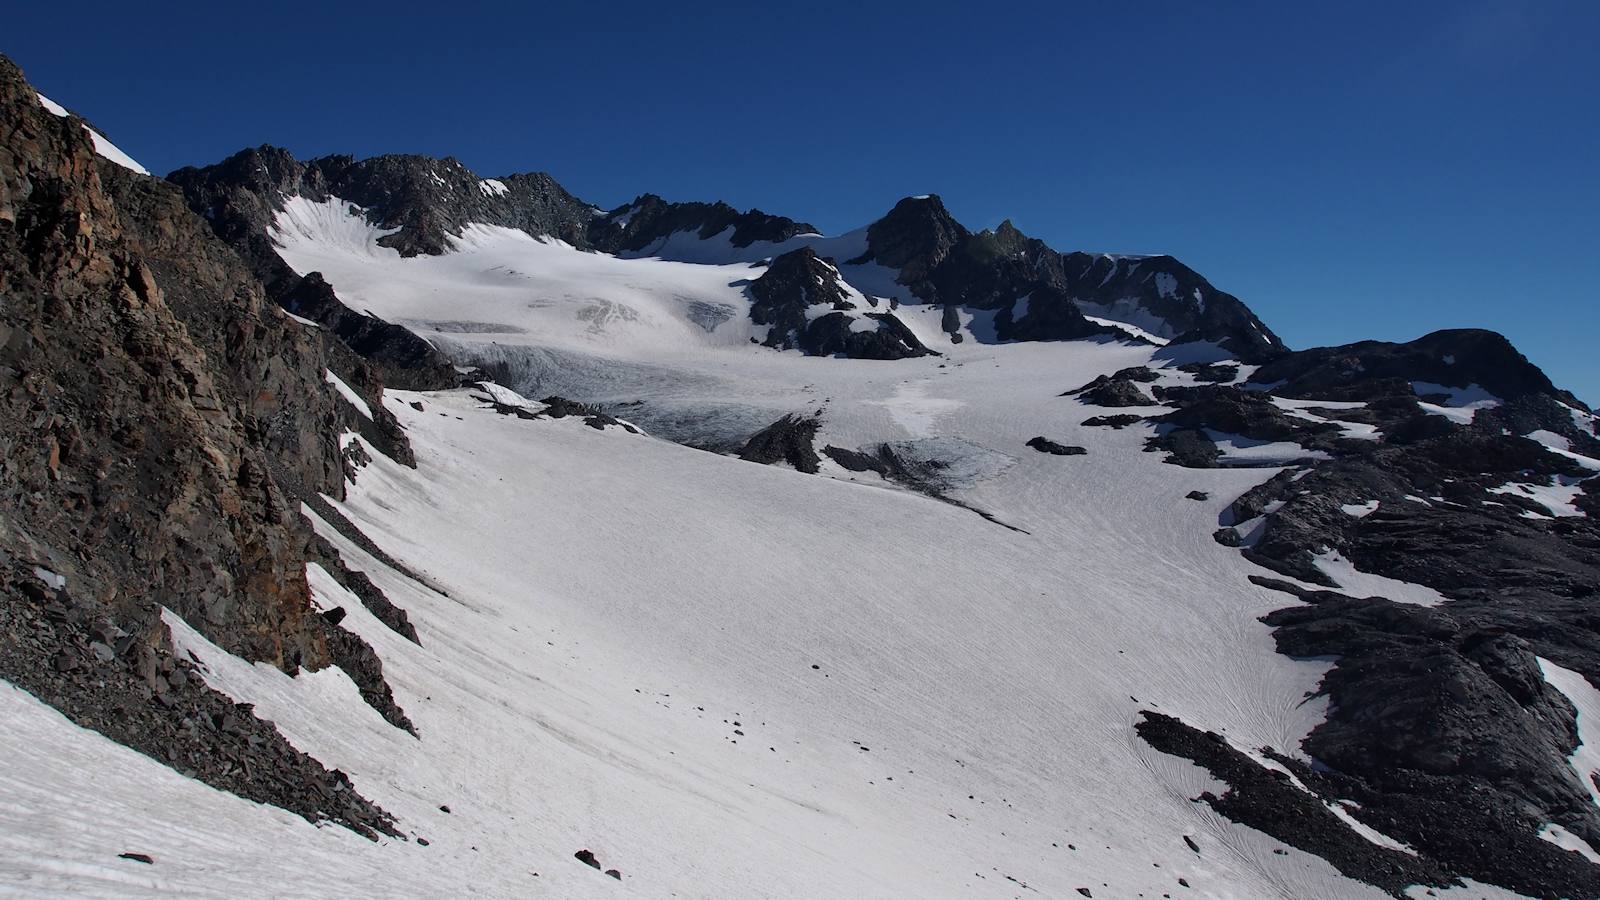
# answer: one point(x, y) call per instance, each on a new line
point(159, 420)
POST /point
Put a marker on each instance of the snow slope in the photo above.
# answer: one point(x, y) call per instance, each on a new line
point(726, 679)
point(617, 603)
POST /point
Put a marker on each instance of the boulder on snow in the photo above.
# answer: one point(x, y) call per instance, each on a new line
point(1045, 445)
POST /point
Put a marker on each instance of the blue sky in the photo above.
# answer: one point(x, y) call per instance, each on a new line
point(1358, 170)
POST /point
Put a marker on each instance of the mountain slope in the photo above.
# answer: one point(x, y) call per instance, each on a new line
point(1065, 576)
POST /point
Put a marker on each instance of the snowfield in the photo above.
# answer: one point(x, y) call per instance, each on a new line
point(726, 679)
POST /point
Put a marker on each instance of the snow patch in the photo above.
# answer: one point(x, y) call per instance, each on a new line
point(349, 394)
point(1585, 758)
point(1357, 583)
point(1461, 403)
point(1132, 330)
point(1566, 840)
point(101, 146)
point(58, 582)
point(1130, 311)
point(1557, 498)
point(1239, 449)
point(1373, 835)
point(1166, 284)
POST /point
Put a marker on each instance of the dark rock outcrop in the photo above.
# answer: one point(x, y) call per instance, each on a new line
point(1045, 445)
point(798, 281)
point(1208, 409)
point(1436, 714)
point(560, 408)
point(634, 228)
point(1038, 293)
point(1265, 800)
point(1442, 714)
point(789, 440)
point(1113, 391)
point(856, 461)
point(1118, 421)
point(1212, 373)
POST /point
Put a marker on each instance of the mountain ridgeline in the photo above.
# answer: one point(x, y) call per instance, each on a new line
point(1033, 292)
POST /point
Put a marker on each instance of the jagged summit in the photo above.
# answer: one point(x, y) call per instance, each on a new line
point(914, 237)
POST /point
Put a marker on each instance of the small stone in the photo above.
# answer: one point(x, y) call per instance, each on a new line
point(587, 858)
point(1198, 495)
point(614, 874)
point(443, 808)
point(137, 857)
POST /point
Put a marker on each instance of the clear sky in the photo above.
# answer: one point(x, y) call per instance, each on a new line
point(1354, 170)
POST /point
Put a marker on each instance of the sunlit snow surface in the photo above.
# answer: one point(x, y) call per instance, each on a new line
point(930, 704)
point(1461, 403)
point(348, 393)
point(1585, 758)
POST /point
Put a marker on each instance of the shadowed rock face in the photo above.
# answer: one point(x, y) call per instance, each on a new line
point(1370, 369)
point(1436, 714)
point(916, 237)
point(798, 281)
point(142, 416)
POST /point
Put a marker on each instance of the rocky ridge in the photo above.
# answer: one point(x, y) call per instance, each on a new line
point(1033, 292)
point(1038, 293)
point(1437, 713)
point(159, 417)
